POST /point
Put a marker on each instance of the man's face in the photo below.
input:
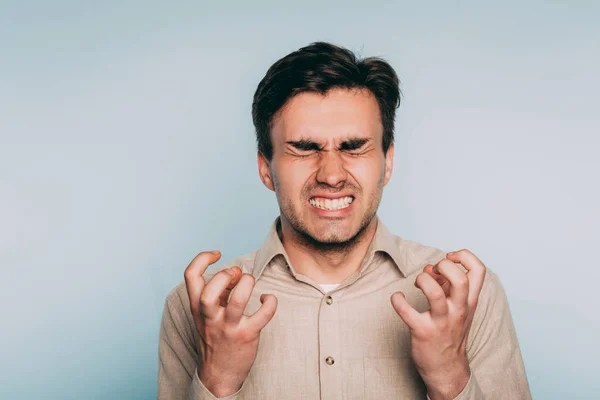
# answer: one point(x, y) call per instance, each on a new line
point(328, 167)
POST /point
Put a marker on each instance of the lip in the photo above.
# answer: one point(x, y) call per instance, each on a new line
point(332, 213)
point(332, 196)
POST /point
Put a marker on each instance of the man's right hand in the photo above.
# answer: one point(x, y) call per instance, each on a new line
point(227, 339)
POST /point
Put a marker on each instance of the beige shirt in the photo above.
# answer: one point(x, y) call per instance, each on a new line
point(348, 343)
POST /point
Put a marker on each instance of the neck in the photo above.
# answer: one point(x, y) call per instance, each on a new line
point(322, 262)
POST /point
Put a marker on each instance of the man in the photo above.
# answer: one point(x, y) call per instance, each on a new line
point(333, 306)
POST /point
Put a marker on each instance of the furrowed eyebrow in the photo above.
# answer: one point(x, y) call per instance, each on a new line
point(353, 144)
point(304, 145)
point(309, 145)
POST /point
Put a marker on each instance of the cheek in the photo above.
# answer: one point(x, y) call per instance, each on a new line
point(293, 177)
point(367, 173)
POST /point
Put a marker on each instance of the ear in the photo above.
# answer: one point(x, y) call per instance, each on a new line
point(264, 171)
point(389, 164)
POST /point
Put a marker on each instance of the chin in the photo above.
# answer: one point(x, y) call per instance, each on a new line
point(318, 231)
point(333, 236)
point(331, 239)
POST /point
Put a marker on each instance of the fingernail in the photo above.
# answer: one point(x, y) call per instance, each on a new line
point(451, 253)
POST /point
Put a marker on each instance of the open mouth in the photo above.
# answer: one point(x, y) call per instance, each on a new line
point(331, 204)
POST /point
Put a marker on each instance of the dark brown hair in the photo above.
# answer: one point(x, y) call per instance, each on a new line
point(320, 67)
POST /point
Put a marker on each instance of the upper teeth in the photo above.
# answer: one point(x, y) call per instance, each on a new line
point(332, 204)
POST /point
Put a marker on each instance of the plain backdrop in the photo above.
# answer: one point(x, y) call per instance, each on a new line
point(127, 147)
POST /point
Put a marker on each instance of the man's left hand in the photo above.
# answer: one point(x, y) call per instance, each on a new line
point(439, 335)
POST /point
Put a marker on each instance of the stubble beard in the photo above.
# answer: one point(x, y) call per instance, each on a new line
point(333, 243)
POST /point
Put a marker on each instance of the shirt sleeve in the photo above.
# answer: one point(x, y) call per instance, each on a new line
point(178, 359)
point(470, 391)
point(497, 369)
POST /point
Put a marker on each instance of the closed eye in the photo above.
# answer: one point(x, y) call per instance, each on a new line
point(303, 154)
point(355, 152)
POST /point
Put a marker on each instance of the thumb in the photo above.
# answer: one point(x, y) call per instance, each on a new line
point(409, 315)
point(264, 314)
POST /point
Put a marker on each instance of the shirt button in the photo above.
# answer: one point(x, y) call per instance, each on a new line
point(329, 360)
point(329, 300)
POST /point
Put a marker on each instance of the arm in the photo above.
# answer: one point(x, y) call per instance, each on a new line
point(497, 369)
point(207, 344)
point(465, 346)
point(178, 359)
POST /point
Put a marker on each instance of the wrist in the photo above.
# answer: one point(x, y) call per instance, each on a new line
point(219, 384)
point(448, 385)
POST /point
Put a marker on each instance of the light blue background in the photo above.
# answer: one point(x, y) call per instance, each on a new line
point(126, 147)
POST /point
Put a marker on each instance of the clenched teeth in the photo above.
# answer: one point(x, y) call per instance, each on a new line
point(332, 204)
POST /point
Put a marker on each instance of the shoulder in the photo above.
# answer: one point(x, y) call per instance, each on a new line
point(417, 255)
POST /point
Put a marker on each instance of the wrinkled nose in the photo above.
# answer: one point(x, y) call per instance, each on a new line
point(331, 170)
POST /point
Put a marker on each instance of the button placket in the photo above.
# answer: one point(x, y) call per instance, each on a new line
point(330, 348)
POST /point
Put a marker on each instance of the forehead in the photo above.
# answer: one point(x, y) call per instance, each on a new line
point(339, 113)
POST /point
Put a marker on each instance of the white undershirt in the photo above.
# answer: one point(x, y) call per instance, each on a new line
point(327, 287)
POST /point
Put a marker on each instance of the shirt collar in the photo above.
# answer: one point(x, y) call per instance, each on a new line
point(383, 241)
point(386, 242)
point(271, 247)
